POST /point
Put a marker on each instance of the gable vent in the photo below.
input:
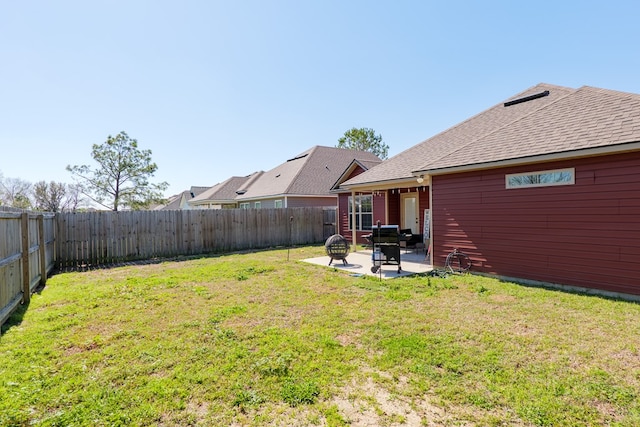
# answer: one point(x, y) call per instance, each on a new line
point(527, 98)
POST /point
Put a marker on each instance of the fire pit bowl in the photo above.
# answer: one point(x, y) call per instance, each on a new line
point(337, 247)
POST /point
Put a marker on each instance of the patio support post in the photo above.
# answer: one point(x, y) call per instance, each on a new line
point(431, 236)
point(354, 232)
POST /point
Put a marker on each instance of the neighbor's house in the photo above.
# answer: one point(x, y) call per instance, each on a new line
point(180, 201)
point(543, 188)
point(305, 180)
point(223, 195)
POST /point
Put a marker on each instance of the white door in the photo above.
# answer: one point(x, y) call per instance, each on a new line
point(410, 215)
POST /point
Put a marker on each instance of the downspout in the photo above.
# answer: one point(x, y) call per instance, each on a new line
point(354, 232)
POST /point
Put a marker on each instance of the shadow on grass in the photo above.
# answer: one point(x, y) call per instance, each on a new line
point(159, 260)
point(15, 319)
point(573, 290)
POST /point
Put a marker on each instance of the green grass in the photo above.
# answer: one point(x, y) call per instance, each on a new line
point(254, 339)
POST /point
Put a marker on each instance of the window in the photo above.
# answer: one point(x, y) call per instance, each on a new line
point(364, 212)
point(257, 205)
point(244, 205)
point(541, 178)
point(278, 204)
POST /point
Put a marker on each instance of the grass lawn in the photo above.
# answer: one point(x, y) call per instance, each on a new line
point(254, 339)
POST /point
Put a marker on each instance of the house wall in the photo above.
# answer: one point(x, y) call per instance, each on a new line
point(311, 202)
point(343, 216)
point(585, 235)
point(265, 203)
point(379, 208)
point(214, 206)
point(394, 207)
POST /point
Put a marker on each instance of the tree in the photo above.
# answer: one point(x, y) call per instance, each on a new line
point(121, 178)
point(364, 139)
point(74, 198)
point(51, 197)
point(14, 192)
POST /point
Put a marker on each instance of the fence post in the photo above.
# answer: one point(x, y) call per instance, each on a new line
point(26, 288)
point(42, 249)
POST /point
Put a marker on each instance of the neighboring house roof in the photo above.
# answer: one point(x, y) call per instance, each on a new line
point(197, 190)
point(177, 200)
point(173, 202)
point(225, 191)
point(402, 166)
point(311, 173)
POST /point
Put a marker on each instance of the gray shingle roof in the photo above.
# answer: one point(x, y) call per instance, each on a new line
point(196, 190)
point(449, 141)
point(174, 202)
point(224, 191)
point(584, 119)
point(312, 173)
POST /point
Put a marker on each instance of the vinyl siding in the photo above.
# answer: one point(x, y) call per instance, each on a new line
point(586, 234)
point(311, 202)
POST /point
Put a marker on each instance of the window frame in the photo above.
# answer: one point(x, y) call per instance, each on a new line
point(245, 205)
point(542, 182)
point(359, 213)
point(278, 204)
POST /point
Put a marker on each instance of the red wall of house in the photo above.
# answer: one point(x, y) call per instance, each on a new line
point(586, 234)
point(394, 207)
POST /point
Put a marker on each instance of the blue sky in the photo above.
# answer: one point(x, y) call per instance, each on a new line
point(223, 88)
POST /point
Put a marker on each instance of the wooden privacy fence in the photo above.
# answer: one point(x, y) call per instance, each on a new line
point(26, 256)
point(95, 238)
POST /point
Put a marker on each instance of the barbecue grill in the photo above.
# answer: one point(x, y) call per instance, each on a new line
point(386, 246)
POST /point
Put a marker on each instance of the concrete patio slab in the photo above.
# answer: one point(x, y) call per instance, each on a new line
point(359, 263)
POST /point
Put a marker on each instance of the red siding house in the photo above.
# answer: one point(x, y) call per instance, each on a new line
point(543, 188)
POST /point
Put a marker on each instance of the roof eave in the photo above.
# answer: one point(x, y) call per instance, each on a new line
point(380, 185)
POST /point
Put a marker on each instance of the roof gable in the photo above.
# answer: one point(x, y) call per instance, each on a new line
point(354, 169)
